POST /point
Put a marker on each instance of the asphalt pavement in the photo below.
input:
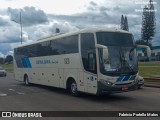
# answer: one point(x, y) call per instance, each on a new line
point(15, 96)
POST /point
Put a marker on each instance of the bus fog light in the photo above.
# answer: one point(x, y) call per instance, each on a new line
point(107, 82)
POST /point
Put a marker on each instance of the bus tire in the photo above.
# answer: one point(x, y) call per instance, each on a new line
point(73, 88)
point(26, 80)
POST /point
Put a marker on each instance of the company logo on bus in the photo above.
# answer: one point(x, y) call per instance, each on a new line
point(46, 62)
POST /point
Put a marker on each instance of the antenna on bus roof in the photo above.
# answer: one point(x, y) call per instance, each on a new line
point(57, 30)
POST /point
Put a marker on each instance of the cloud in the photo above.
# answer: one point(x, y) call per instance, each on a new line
point(9, 34)
point(9, 0)
point(42, 30)
point(63, 26)
point(87, 19)
point(4, 48)
point(2, 55)
point(10, 53)
point(7, 49)
point(93, 3)
point(3, 22)
point(158, 2)
point(37, 23)
point(29, 16)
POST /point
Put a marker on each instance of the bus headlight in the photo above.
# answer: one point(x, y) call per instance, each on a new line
point(106, 82)
point(135, 81)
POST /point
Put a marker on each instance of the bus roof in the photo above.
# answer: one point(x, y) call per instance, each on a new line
point(85, 30)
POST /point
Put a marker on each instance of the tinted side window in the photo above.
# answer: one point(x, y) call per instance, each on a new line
point(44, 49)
point(32, 50)
point(88, 52)
point(24, 52)
point(17, 56)
point(65, 45)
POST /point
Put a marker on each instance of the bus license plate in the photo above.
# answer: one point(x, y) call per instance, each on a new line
point(125, 88)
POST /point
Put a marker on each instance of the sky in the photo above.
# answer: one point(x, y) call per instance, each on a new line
point(41, 17)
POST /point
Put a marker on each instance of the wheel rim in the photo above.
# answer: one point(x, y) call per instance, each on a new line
point(73, 87)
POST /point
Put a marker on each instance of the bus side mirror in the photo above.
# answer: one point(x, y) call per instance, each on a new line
point(105, 51)
point(146, 47)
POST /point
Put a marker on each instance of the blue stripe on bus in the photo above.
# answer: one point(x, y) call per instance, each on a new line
point(123, 78)
point(26, 62)
point(126, 78)
point(23, 62)
point(120, 78)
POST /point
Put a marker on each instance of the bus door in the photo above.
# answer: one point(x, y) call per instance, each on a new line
point(88, 54)
point(91, 76)
point(82, 83)
point(91, 83)
point(87, 82)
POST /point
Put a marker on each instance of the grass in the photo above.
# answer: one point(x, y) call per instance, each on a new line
point(7, 67)
point(149, 69)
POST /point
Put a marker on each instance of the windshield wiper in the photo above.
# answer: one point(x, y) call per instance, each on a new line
point(122, 59)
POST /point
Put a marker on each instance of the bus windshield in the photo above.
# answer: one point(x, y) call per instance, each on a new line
point(121, 53)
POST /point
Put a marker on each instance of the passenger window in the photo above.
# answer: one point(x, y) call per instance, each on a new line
point(65, 45)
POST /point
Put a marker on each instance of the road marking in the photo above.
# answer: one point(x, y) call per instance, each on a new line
point(11, 89)
point(2, 94)
point(13, 85)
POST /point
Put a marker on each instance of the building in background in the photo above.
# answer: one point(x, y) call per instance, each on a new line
point(155, 54)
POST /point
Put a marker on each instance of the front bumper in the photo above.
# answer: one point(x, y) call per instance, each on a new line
point(140, 84)
point(116, 88)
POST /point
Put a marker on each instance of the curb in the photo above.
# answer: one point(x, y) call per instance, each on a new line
point(152, 85)
point(152, 82)
point(152, 78)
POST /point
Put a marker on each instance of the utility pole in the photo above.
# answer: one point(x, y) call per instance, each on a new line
point(21, 25)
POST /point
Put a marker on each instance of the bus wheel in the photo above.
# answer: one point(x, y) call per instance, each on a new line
point(26, 80)
point(73, 88)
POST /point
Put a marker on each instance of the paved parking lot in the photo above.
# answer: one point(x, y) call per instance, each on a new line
point(15, 96)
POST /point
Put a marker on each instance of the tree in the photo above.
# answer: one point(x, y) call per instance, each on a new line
point(124, 23)
point(142, 42)
point(148, 23)
point(9, 59)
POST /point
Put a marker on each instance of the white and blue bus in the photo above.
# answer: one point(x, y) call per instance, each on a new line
point(94, 60)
